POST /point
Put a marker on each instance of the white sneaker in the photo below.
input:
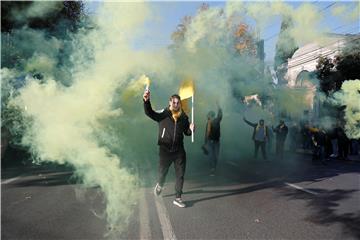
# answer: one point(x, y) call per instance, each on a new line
point(178, 202)
point(157, 190)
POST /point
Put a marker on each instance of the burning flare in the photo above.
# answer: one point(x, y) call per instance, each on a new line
point(186, 91)
point(254, 98)
point(146, 81)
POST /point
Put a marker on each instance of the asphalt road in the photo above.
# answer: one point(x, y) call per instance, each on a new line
point(292, 199)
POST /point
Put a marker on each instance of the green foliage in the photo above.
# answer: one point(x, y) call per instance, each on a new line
point(15, 123)
point(326, 73)
point(348, 62)
point(32, 44)
point(40, 15)
point(345, 66)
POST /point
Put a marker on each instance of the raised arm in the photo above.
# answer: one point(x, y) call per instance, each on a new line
point(249, 123)
point(220, 114)
point(148, 109)
point(151, 113)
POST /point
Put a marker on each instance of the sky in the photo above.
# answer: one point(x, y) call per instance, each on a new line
point(170, 13)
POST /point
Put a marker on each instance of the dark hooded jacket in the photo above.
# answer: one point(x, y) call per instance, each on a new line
point(171, 133)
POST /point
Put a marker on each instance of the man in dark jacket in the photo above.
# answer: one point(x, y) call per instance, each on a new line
point(212, 137)
point(260, 136)
point(281, 132)
point(318, 139)
point(173, 124)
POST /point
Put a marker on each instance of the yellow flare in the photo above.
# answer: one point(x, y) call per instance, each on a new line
point(185, 106)
point(146, 81)
point(186, 88)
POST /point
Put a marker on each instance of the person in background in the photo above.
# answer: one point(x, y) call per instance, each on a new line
point(269, 143)
point(212, 138)
point(318, 139)
point(294, 136)
point(260, 136)
point(343, 143)
point(281, 132)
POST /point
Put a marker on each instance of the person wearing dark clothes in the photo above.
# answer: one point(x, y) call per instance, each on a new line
point(270, 141)
point(343, 143)
point(260, 136)
point(319, 139)
point(173, 125)
point(281, 132)
point(212, 137)
point(294, 136)
point(306, 136)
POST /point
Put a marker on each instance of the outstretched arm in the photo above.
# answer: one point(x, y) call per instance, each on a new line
point(249, 123)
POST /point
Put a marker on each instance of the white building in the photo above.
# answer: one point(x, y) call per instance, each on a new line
point(306, 57)
point(299, 69)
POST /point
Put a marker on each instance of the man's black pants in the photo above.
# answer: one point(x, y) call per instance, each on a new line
point(262, 146)
point(280, 148)
point(179, 159)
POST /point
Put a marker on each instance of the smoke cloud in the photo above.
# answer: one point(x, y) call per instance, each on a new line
point(87, 111)
point(36, 10)
point(349, 96)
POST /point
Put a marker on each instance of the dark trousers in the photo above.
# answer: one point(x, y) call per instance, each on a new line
point(262, 145)
point(213, 148)
point(179, 159)
point(343, 148)
point(318, 153)
point(280, 148)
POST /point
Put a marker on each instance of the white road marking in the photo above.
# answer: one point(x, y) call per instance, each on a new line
point(10, 180)
point(301, 188)
point(40, 175)
point(162, 213)
point(166, 227)
point(145, 232)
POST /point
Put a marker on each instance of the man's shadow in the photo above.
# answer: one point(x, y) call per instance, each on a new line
point(226, 193)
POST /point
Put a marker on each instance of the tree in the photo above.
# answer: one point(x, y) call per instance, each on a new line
point(348, 61)
point(50, 20)
point(345, 66)
point(286, 45)
point(178, 36)
point(67, 12)
point(330, 79)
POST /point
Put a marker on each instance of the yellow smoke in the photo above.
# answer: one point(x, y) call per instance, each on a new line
point(146, 81)
point(68, 122)
point(135, 87)
point(350, 97)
